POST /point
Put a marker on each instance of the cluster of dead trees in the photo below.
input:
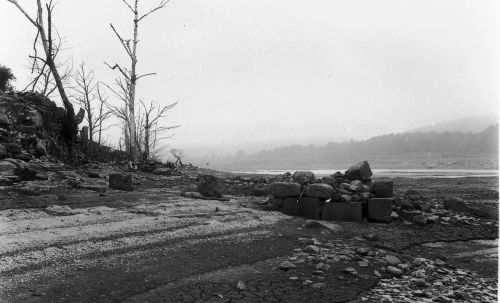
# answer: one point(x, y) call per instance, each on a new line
point(142, 122)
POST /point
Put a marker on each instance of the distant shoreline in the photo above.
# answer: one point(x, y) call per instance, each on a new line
point(409, 173)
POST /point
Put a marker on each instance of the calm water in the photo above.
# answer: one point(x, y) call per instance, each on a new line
point(410, 173)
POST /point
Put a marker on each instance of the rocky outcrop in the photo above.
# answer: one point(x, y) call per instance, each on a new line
point(30, 126)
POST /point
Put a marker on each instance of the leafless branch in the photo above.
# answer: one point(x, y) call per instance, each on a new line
point(125, 43)
point(129, 6)
point(159, 6)
point(117, 66)
point(145, 75)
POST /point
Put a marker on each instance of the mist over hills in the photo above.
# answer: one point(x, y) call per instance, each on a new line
point(465, 124)
point(418, 148)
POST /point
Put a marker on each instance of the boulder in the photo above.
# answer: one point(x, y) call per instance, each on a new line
point(29, 174)
point(392, 260)
point(356, 186)
point(121, 182)
point(93, 174)
point(286, 265)
point(312, 249)
point(61, 210)
point(209, 186)
point(338, 177)
point(319, 190)
point(419, 219)
point(329, 180)
point(261, 190)
point(302, 177)
point(383, 189)
point(284, 189)
point(360, 171)
point(394, 271)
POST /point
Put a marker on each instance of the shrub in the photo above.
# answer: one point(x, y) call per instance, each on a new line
point(6, 76)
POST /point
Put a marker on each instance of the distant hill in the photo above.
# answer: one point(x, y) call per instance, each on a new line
point(405, 150)
point(464, 125)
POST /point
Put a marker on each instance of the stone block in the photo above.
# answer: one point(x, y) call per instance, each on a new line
point(383, 189)
point(380, 209)
point(284, 189)
point(291, 207)
point(277, 202)
point(318, 190)
point(310, 208)
point(348, 212)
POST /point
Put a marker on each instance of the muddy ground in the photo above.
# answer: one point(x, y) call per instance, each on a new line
point(154, 245)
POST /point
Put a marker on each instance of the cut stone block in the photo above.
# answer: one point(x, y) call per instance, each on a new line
point(383, 189)
point(284, 189)
point(310, 208)
point(347, 212)
point(380, 209)
point(291, 207)
point(278, 202)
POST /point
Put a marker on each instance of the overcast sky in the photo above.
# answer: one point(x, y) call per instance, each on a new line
point(252, 74)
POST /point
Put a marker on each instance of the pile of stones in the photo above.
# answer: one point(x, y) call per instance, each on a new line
point(30, 126)
point(351, 196)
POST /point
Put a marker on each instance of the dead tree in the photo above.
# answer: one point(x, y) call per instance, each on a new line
point(44, 32)
point(90, 97)
point(152, 130)
point(42, 80)
point(178, 154)
point(130, 75)
point(103, 113)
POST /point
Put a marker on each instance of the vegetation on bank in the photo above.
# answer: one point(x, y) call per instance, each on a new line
point(405, 150)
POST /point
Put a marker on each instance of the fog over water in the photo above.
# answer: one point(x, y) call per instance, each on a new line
point(259, 74)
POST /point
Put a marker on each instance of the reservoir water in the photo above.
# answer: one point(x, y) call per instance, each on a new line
point(393, 173)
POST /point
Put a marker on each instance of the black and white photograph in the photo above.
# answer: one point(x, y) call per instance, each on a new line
point(249, 151)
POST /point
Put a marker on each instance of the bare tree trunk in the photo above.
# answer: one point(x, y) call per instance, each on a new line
point(70, 125)
point(133, 80)
point(131, 75)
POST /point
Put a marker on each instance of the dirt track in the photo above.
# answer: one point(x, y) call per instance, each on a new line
point(152, 245)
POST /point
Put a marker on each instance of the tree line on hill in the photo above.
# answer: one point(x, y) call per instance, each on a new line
point(393, 146)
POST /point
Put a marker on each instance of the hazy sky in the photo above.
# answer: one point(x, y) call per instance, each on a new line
point(249, 74)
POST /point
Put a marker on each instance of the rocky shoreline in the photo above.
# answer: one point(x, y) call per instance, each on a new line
point(66, 236)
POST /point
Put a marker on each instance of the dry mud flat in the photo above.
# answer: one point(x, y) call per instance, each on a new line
point(153, 245)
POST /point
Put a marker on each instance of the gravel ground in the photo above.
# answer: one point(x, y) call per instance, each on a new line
point(153, 245)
